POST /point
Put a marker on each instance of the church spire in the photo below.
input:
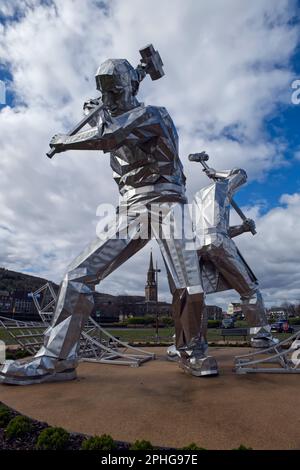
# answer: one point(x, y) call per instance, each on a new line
point(151, 279)
point(151, 285)
point(151, 263)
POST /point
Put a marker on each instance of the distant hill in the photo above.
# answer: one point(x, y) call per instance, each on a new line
point(108, 307)
point(12, 280)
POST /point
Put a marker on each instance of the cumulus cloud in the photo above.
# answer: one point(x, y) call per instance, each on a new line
point(297, 155)
point(274, 252)
point(227, 69)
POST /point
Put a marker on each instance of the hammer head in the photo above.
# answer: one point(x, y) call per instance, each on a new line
point(151, 61)
point(198, 157)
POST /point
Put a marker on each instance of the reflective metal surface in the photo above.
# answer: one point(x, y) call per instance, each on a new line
point(201, 258)
point(280, 358)
point(222, 265)
point(143, 146)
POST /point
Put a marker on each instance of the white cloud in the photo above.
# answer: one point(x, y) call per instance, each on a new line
point(227, 67)
point(274, 253)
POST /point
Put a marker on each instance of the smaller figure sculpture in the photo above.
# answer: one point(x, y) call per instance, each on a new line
point(222, 265)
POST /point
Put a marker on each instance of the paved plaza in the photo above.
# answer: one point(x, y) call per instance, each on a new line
point(160, 403)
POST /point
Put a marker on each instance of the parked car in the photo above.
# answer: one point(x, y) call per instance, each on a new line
point(282, 326)
point(227, 323)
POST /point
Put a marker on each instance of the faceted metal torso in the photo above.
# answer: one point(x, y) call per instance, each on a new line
point(213, 204)
point(212, 207)
point(149, 154)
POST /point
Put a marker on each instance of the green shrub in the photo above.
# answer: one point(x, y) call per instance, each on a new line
point(136, 321)
point(294, 321)
point(104, 442)
point(21, 353)
point(16, 354)
point(167, 321)
point(5, 416)
point(193, 446)
point(213, 323)
point(147, 320)
point(18, 426)
point(52, 438)
point(141, 445)
point(242, 447)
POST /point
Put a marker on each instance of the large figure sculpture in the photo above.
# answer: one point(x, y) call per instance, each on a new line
point(143, 145)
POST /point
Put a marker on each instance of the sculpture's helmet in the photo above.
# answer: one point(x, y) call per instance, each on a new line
point(117, 73)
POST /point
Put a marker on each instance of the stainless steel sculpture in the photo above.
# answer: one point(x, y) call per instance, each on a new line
point(96, 344)
point(281, 358)
point(222, 265)
point(143, 145)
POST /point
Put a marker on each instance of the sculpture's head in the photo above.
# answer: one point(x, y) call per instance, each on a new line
point(118, 83)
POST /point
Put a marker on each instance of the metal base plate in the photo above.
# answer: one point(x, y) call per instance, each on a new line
point(27, 380)
point(259, 343)
point(206, 366)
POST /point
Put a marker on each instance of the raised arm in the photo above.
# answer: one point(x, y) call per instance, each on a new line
point(235, 177)
point(106, 135)
point(89, 106)
point(247, 226)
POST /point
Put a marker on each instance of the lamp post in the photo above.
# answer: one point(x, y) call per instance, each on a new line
point(156, 270)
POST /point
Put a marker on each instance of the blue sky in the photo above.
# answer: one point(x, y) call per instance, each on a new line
point(283, 124)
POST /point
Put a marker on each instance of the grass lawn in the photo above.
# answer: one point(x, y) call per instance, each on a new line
point(143, 334)
point(5, 336)
point(8, 339)
point(165, 334)
point(149, 335)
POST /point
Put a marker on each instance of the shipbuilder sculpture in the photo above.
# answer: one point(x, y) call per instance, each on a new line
point(200, 258)
point(221, 263)
point(143, 145)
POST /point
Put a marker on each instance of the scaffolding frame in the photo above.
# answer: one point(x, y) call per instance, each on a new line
point(284, 356)
point(96, 344)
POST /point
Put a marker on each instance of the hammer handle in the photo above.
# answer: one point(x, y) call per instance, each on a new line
point(240, 212)
point(78, 126)
point(237, 209)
